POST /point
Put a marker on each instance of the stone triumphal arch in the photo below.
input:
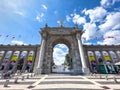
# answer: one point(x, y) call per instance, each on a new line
point(39, 58)
point(68, 36)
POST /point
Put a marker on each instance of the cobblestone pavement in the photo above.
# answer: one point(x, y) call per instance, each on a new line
point(62, 82)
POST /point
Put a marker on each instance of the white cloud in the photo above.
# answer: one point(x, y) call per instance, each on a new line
point(101, 23)
point(18, 42)
point(42, 14)
point(115, 40)
point(96, 14)
point(108, 27)
point(114, 33)
point(107, 3)
point(78, 19)
point(39, 17)
point(87, 43)
point(8, 5)
point(90, 30)
point(13, 6)
point(100, 43)
point(59, 54)
point(68, 18)
point(112, 22)
point(117, 9)
point(71, 15)
point(20, 13)
point(109, 42)
point(44, 6)
point(63, 47)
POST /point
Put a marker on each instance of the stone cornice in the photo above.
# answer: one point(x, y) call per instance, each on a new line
point(19, 47)
point(102, 47)
point(60, 31)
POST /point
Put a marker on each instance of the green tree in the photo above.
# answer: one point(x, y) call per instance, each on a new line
point(67, 60)
point(53, 63)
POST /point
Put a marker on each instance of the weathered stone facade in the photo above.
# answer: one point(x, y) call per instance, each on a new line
point(20, 48)
point(57, 35)
point(43, 54)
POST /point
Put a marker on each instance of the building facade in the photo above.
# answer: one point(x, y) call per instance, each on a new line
point(39, 58)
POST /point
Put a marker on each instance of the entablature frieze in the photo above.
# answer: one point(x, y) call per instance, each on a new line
point(60, 30)
point(101, 48)
point(18, 48)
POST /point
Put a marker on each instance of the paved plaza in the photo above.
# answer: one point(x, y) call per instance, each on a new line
point(29, 81)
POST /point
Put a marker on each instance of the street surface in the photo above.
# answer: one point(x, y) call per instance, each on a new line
point(62, 82)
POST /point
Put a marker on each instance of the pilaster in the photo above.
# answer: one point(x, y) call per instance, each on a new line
point(85, 69)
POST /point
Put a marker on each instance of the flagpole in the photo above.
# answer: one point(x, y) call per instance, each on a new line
point(5, 39)
point(13, 37)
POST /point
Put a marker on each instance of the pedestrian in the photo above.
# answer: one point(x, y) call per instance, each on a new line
point(28, 68)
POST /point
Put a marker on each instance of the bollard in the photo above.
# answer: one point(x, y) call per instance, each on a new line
point(95, 75)
point(106, 77)
point(28, 76)
point(91, 75)
point(115, 80)
point(16, 80)
point(23, 77)
point(100, 76)
point(31, 75)
point(13, 75)
point(20, 73)
point(6, 83)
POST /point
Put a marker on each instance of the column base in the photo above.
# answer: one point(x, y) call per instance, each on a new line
point(85, 70)
point(46, 71)
point(38, 71)
point(77, 71)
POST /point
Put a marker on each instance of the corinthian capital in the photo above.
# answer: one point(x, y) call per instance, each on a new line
point(78, 36)
point(44, 35)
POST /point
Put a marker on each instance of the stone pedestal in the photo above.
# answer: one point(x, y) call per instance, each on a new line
point(85, 70)
point(38, 71)
point(47, 71)
point(77, 71)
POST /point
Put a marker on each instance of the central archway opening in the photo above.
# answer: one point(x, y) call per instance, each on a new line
point(62, 62)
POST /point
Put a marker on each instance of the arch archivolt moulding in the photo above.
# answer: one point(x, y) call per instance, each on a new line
point(61, 35)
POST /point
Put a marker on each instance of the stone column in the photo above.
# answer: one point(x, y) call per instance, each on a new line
point(102, 56)
point(41, 56)
point(3, 57)
point(73, 58)
point(14, 69)
point(109, 55)
point(25, 61)
point(116, 55)
point(6, 67)
point(85, 69)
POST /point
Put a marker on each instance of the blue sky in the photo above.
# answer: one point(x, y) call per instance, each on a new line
point(21, 20)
